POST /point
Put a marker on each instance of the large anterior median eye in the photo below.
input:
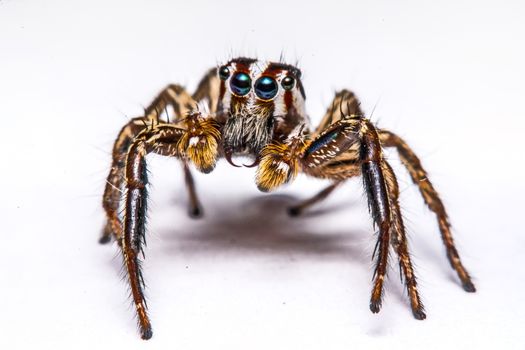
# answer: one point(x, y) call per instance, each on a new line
point(240, 84)
point(266, 88)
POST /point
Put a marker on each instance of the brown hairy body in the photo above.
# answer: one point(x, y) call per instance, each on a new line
point(254, 108)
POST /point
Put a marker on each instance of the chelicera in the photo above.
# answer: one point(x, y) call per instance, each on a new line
point(257, 109)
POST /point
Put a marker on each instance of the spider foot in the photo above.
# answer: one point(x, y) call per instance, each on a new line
point(106, 235)
point(294, 211)
point(375, 306)
point(469, 287)
point(104, 239)
point(195, 213)
point(419, 314)
point(146, 333)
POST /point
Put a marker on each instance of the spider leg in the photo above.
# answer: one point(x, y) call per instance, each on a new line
point(115, 179)
point(349, 147)
point(344, 103)
point(298, 209)
point(181, 103)
point(162, 140)
point(195, 208)
point(399, 242)
point(174, 96)
point(432, 200)
point(207, 91)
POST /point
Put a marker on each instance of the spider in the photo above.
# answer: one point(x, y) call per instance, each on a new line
point(253, 108)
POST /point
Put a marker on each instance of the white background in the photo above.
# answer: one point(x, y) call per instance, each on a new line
point(447, 76)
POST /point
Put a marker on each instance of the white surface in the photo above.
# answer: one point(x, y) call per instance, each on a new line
point(449, 77)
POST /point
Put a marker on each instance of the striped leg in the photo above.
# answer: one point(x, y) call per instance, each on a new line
point(207, 91)
point(298, 209)
point(195, 208)
point(114, 182)
point(344, 103)
point(355, 140)
point(161, 140)
point(181, 102)
point(379, 205)
point(166, 140)
point(432, 200)
point(399, 241)
point(174, 96)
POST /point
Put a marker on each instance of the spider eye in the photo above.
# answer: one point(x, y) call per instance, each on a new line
point(266, 88)
point(288, 83)
point(224, 72)
point(240, 84)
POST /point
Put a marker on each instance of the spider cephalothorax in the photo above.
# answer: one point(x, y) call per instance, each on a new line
point(254, 108)
point(258, 102)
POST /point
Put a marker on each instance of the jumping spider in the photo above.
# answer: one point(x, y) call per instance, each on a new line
point(257, 109)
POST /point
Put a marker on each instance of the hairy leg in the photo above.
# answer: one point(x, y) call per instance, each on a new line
point(298, 209)
point(167, 140)
point(195, 209)
point(345, 103)
point(355, 140)
point(208, 92)
point(161, 140)
point(432, 200)
point(174, 96)
point(114, 182)
point(181, 103)
point(399, 241)
point(378, 203)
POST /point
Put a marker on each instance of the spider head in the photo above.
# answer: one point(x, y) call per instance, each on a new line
point(258, 99)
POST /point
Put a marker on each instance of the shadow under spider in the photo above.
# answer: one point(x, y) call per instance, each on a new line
point(262, 226)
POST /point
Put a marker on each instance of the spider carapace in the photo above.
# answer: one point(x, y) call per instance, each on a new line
point(254, 108)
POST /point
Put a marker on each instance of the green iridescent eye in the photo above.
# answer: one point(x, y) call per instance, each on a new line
point(224, 72)
point(240, 84)
point(266, 88)
point(288, 83)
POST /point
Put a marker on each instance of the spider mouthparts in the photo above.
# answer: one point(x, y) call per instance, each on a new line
point(254, 164)
point(228, 156)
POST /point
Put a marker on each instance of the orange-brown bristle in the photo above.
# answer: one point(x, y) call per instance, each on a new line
point(278, 165)
point(200, 143)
